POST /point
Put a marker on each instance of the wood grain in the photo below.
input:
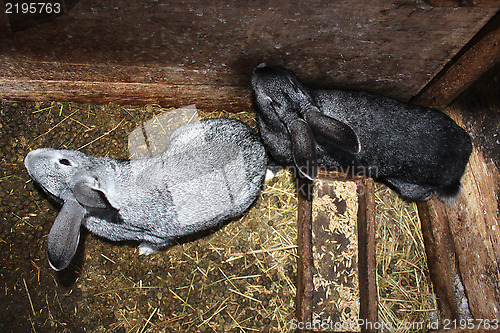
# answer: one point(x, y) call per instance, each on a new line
point(441, 258)
point(474, 225)
point(305, 287)
point(216, 97)
point(465, 3)
point(368, 309)
point(475, 59)
point(467, 230)
point(391, 48)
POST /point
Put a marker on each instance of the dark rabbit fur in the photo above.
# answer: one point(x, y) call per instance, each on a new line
point(416, 150)
point(211, 171)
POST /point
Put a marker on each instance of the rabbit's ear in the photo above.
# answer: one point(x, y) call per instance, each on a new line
point(304, 149)
point(64, 235)
point(341, 134)
point(89, 194)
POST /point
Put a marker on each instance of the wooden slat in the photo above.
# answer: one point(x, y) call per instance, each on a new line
point(441, 258)
point(462, 238)
point(475, 229)
point(219, 97)
point(305, 287)
point(476, 58)
point(465, 3)
point(368, 307)
point(384, 47)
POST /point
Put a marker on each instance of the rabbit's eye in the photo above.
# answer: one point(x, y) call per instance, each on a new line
point(64, 161)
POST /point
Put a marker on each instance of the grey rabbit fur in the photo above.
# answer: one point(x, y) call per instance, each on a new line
point(415, 150)
point(211, 171)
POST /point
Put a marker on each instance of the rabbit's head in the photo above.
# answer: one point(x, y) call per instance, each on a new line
point(64, 175)
point(284, 102)
point(55, 170)
point(279, 89)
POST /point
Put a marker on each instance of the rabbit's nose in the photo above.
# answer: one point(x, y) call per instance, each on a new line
point(260, 66)
point(31, 157)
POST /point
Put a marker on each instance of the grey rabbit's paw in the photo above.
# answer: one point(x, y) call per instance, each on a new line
point(147, 249)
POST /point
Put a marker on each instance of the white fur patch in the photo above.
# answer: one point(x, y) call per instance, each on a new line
point(269, 175)
point(147, 249)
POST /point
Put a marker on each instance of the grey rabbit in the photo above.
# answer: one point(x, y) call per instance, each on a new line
point(211, 171)
point(415, 150)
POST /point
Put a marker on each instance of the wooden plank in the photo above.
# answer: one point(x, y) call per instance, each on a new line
point(477, 57)
point(465, 3)
point(468, 229)
point(24, 68)
point(474, 224)
point(441, 258)
point(383, 47)
point(305, 288)
point(218, 97)
point(367, 262)
point(366, 248)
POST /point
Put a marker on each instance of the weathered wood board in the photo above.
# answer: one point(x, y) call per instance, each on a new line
point(464, 246)
point(314, 299)
point(183, 52)
point(335, 254)
point(475, 218)
point(473, 60)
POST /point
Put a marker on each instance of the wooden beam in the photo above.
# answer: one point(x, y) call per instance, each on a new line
point(368, 294)
point(465, 3)
point(475, 59)
point(440, 254)
point(462, 238)
point(305, 287)
point(176, 95)
point(474, 226)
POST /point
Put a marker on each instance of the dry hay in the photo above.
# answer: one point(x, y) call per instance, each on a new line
point(406, 298)
point(335, 253)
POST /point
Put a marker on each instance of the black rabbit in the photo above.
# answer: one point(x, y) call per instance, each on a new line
point(416, 150)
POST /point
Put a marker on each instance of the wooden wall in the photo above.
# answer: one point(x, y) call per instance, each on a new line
point(182, 52)
point(469, 229)
point(474, 219)
point(462, 238)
